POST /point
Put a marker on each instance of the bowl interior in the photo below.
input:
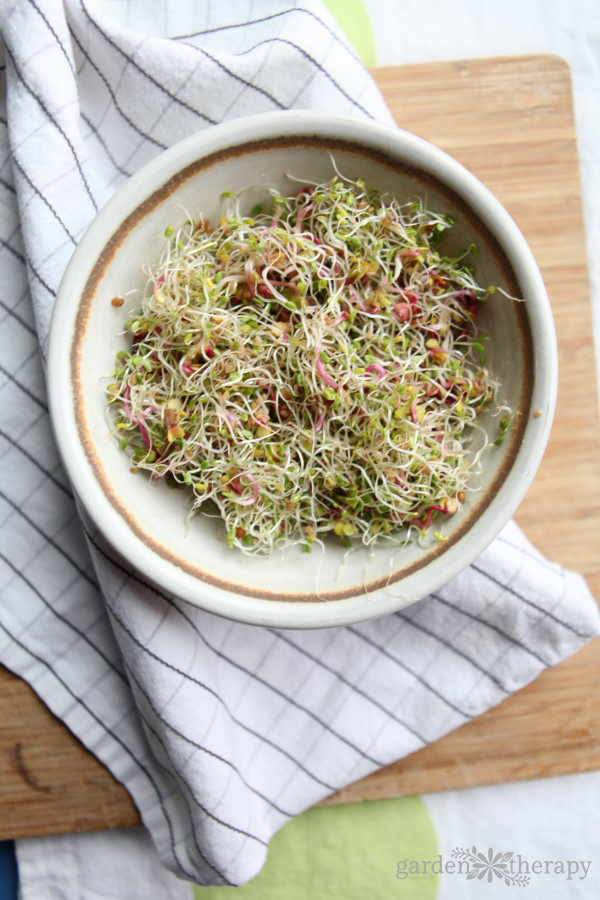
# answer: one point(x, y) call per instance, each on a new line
point(157, 515)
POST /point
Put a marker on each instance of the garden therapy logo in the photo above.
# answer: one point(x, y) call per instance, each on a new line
point(511, 868)
point(494, 864)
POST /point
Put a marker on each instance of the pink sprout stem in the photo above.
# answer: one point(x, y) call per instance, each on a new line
point(140, 420)
point(319, 423)
point(379, 369)
point(301, 215)
point(322, 371)
point(126, 406)
point(426, 522)
point(247, 501)
point(144, 434)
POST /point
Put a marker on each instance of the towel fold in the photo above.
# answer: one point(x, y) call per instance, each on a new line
point(220, 731)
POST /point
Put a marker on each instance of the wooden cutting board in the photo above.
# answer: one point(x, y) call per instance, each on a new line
point(511, 122)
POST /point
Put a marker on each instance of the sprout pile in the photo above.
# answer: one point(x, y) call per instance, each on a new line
point(313, 368)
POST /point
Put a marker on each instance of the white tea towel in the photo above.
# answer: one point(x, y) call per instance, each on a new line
point(220, 731)
point(116, 864)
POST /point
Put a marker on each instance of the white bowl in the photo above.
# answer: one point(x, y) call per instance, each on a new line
point(147, 523)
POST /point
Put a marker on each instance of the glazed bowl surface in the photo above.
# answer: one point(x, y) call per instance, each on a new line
point(148, 523)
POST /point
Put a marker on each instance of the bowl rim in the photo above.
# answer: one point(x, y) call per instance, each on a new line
point(144, 185)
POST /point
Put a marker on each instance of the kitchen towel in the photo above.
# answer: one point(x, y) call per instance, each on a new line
point(220, 731)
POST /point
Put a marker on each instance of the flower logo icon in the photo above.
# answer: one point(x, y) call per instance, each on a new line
point(490, 866)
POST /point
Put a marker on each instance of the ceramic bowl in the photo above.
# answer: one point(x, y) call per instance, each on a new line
point(148, 523)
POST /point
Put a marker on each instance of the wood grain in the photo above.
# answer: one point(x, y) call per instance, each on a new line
point(511, 122)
